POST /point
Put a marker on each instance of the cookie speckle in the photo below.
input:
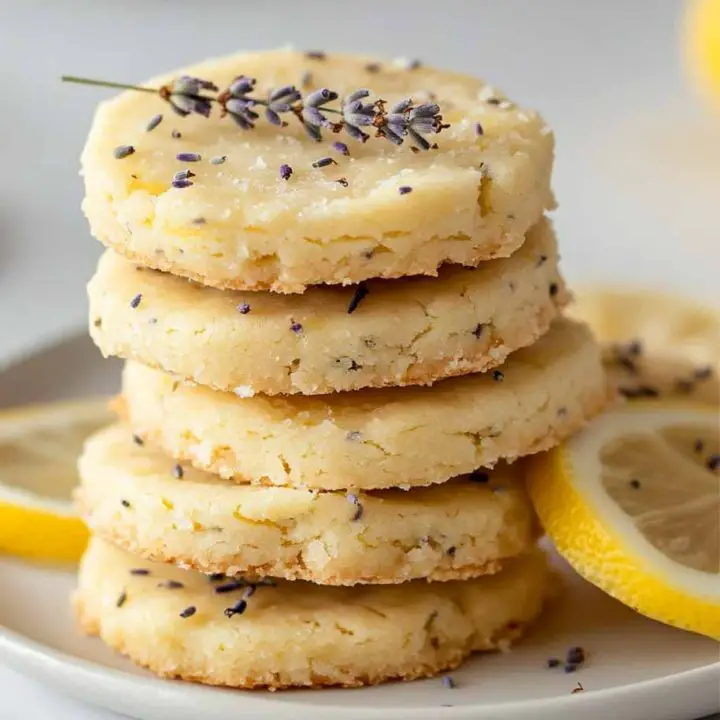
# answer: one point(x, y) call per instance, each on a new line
point(171, 585)
point(359, 295)
point(135, 302)
point(324, 162)
point(353, 499)
point(188, 612)
point(123, 151)
point(231, 586)
point(237, 609)
point(154, 121)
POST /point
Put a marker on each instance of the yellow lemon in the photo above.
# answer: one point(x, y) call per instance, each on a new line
point(39, 446)
point(702, 38)
point(633, 503)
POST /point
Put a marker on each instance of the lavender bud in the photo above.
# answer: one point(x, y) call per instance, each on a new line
point(320, 97)
point(273, 117)
point(153, 123)
point(419, 140)
point(356, 133)
point(188, 157)
point(324, 162)
point(187, 85)
point(356, 95)
point(312, 131)
point(391, 135)
point(423, 125)
point(238, 106)
point(341, 147)
point(425, 110)
point(287, 94)
point(285, 172)
point(241, 85)
point(402, 106)
point(123, 151)
point(242, 121)
point(313, 116)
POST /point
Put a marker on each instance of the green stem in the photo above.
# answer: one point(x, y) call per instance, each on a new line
point(106, 83)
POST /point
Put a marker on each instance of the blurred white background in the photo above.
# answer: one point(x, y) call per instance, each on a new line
point(638, 164)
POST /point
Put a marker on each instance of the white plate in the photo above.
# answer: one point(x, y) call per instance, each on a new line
point(636, 670)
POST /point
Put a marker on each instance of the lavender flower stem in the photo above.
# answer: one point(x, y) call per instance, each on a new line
point(105, 83)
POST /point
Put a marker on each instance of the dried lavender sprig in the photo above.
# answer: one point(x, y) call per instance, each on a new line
point(186, 95)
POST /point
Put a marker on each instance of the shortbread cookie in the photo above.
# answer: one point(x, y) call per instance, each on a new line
point(388, 332)
point(180, 623)
point(137, 498)
point(394, 437)
point(345, 213)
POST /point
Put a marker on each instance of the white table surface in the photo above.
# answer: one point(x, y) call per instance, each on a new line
point(638, 157)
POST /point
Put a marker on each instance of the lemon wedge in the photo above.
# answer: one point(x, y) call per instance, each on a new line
point(39, 446)
point(633, 503)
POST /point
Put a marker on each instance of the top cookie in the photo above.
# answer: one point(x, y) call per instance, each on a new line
point(375, 210)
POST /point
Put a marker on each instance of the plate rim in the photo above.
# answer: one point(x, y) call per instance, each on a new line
point(38, 658)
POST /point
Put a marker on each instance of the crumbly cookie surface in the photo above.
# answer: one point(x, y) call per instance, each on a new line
point(386, 332)
point(176, 623)
point(392, 437)
point(136, 497)
point(240, 225)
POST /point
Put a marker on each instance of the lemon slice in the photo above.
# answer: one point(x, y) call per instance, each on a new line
point(668, 325)
point(702, 42)
point(39, 446)
point(633, 503)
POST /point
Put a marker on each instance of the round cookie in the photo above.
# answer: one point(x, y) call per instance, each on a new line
point(400, 332)
point(134, 497)
point(297, 634)
point(239, 224)
point(393, 437)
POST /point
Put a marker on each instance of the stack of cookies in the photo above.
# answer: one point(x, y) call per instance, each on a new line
point(309, 482)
